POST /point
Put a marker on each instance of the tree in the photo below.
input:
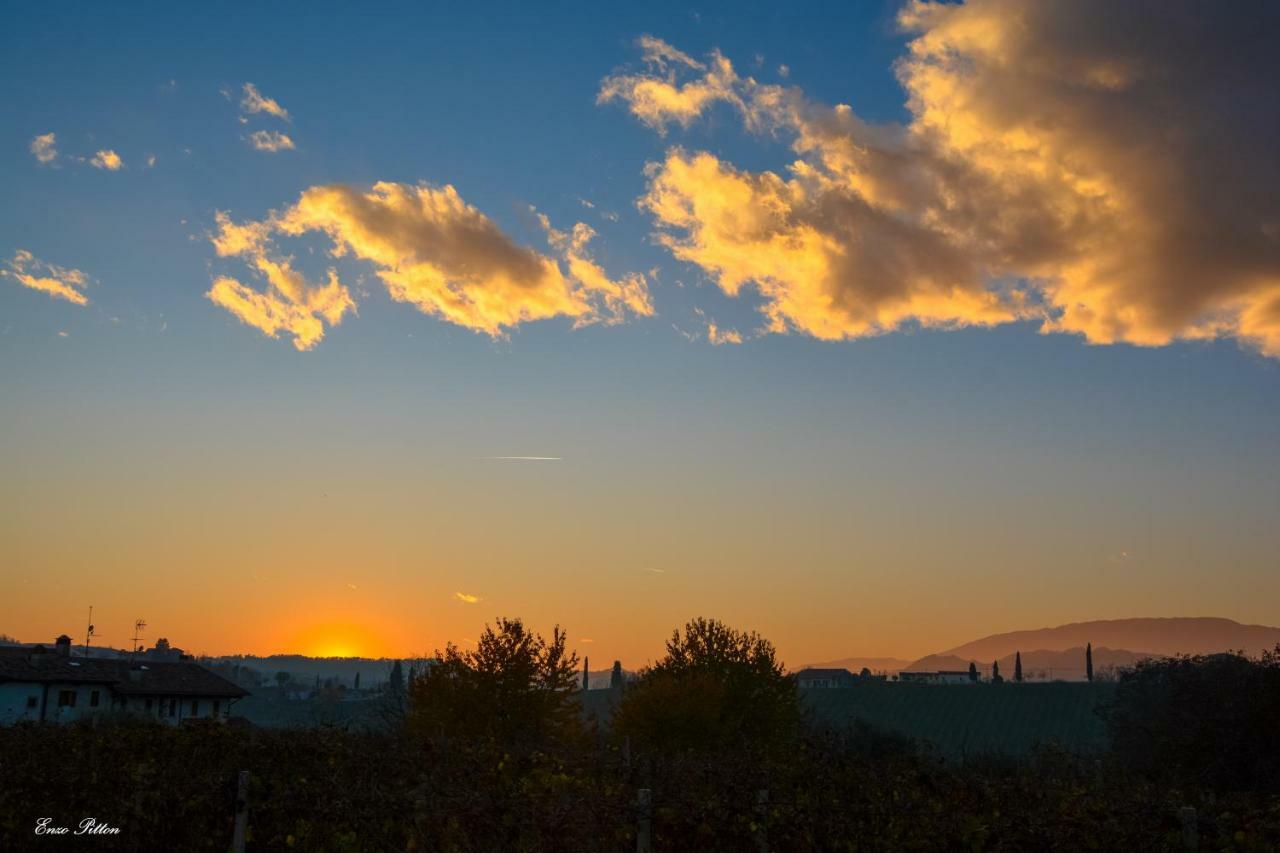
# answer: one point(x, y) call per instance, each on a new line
point(615, 677)
point(1088, 661)
point(282, 678)
point(995, 673)
point(973, 672)
point(586, 680)
point(715, 690)
point(1203, 720)
point(1017, 667)
point(395, 682)
point(515, 691)
point(357, 680)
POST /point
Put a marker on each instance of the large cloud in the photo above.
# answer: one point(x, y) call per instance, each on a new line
point(1107, 167)
point(430, 249)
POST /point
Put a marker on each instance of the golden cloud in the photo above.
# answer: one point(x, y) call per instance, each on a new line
point(466, 599)
point(44, 148)
point(254, 101)
point(271, 141)
point(58, 282)
point(1053, 167)
point(107, 159)
point(430, 249)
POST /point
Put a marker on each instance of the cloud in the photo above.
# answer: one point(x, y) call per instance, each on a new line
point(467, 599)
point(525, 458)
point(59, 282)
point(45, 148)
point(289, 304)
point(254, 101)
point(107, 159)
point(432, 250)
point(270, 140)
point(1053, 168)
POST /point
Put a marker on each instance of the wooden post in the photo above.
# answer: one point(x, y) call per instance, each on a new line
point(644, 821)
point(762, 820)
point(1190, 828)
point(242, 812)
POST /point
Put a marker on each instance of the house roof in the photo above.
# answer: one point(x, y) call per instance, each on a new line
point(811, 672)
point(176, 678)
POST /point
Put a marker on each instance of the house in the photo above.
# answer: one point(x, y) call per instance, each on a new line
point(943, 676)
point(810, 678)
point(39, 684)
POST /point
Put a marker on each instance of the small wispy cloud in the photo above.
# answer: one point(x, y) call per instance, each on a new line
point(657, 571)
point(255, 102)
point(271, 140)
point(525, 458)
point(107, 159)
point(59, 282)
point(45, 148)
point(466, 598)
point(585, 640)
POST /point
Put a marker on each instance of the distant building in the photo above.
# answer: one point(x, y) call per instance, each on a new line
point(39, 684)
point(944, 676)
point(812, 678)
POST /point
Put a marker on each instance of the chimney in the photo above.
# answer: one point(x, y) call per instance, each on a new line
point(63, 645)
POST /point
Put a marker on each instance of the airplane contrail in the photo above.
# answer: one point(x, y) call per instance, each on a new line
point(526, 458)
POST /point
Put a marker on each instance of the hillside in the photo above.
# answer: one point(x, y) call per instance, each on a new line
point(1166, 636)
point(890, 665)
point(1038, 664)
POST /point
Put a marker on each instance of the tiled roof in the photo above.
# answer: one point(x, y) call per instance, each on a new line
point(824, 673)
point(178, 678)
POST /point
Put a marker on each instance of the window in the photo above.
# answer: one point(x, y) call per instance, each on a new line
point(93, 699)
point(217, 707)
point(31, 701)
point(195, 707)
point(66, 698)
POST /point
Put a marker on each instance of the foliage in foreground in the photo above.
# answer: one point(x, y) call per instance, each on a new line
point(493, 755)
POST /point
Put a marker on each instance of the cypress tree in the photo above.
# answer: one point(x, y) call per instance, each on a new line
point(1017, 667)
point(973, 672)
point(397, 678)
point(995, 672)
point(357, 681)
point(615, 678)
point(586, 685)
point(1088, 661)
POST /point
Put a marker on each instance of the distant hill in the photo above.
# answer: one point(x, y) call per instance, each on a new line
point(1179, 635)
point(1038, 664)
point(889, 665)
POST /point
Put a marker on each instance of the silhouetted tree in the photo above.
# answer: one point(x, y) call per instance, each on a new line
point(1017, 667)
point(1088, 661)
point(995, 673)
point(615, 677)
point(282, 678)
point(586, 680)
point(395, 683)
point(1204, 720)
point(715, 690)
point(973, 671)
point(357, 680)
point(515, 691)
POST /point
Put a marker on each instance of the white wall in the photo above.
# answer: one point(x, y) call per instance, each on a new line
point(13, 702)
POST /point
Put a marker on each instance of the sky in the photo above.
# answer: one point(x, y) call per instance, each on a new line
point(872, 327)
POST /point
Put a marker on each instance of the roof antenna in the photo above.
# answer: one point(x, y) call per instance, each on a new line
point(137, 632)
point(88, 634)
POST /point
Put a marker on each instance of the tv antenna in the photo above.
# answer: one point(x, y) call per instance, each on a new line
point(138, 628)
point(88, 634)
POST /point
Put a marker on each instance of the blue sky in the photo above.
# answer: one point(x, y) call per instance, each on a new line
point(924, 485)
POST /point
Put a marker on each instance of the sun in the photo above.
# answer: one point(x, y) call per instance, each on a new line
point(337, 640)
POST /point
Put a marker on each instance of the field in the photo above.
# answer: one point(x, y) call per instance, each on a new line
point(965, 720)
